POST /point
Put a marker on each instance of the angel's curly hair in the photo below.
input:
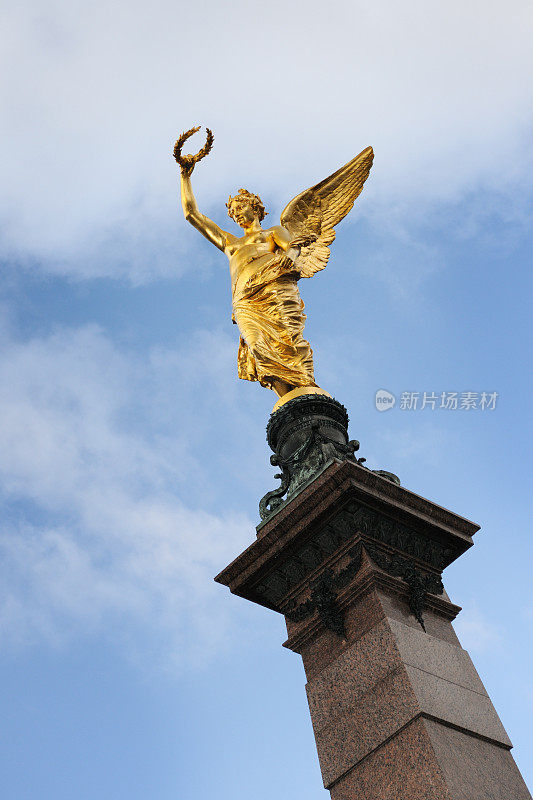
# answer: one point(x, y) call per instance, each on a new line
point(253, 199)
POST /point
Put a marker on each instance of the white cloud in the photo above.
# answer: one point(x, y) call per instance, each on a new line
point(99, 526)
point(94, 94)
point(475, 631)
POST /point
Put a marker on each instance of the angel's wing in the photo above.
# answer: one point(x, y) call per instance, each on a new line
point(311, 217)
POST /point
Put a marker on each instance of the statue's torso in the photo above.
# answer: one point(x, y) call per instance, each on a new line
point(247, 255)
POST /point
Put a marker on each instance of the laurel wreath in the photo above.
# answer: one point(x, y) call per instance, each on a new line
point(187, 162)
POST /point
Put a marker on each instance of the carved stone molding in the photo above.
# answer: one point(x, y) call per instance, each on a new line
point(419, 583)
point(395, 534)
point(324, 594)
point(304, 560)
point(302, 553)
point(353, 521)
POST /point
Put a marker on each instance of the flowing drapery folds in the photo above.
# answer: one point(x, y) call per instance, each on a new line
point(269, 312)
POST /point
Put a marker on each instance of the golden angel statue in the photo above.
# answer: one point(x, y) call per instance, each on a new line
point(266, 264)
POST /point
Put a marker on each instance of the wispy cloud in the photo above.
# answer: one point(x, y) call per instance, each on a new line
point(475, 631)
point(98, 525)
point(93, 97)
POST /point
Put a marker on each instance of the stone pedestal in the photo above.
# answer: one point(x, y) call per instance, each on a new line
point(354, 563)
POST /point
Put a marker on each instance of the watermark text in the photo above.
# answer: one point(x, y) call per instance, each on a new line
point(447, 401)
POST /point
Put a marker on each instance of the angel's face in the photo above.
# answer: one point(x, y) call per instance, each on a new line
point(242, 212)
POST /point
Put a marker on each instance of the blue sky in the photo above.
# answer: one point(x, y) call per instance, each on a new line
point(132, 459)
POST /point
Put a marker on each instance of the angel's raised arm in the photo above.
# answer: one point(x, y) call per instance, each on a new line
point(206, 226)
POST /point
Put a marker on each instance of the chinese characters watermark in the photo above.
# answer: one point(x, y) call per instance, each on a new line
point(449, 401)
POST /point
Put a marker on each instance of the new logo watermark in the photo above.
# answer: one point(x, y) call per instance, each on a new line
point(384, 400)
point(448, 401)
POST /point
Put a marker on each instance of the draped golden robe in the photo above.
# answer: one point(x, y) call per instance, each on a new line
point(268, 310)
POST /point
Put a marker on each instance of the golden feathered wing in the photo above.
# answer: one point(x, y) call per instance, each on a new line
point(311, 217)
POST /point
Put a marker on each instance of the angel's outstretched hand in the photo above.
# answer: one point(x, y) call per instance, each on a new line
point(187, 165)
